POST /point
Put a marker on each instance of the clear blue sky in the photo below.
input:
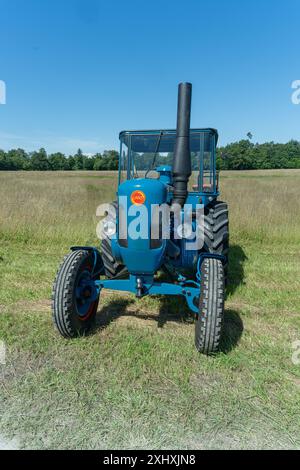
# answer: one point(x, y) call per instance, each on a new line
point(79, 71)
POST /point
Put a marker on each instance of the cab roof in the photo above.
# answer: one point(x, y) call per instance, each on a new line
point(170, 131)
point(146, 141)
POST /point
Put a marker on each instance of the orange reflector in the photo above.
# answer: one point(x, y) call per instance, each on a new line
point(138, 198)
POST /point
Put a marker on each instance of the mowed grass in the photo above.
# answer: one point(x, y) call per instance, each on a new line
point(137, 381)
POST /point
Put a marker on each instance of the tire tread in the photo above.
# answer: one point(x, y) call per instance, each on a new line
point(208, 328)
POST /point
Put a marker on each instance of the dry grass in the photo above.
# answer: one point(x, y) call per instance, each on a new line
point(55, 207)
point(61, 207)
point(264, 205)
point(138, 381)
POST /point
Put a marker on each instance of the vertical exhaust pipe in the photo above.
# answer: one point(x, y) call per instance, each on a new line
point(182, 168)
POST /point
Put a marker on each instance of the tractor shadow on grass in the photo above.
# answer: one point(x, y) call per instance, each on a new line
point(174, 309)
point(232, 330)
point(236, 273)
point(127, 307)
point(123, 307)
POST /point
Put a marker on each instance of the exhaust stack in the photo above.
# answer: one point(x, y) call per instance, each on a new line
point(182, 168)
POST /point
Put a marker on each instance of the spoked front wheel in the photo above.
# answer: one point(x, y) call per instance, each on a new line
point(74, 299)
point(209, 324)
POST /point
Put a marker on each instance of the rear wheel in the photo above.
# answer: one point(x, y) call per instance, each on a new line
point(74, 301)
point(111, 266)
point(216, 231)
point(208, 328)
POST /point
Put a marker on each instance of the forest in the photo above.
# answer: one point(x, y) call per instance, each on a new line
point(242, 155)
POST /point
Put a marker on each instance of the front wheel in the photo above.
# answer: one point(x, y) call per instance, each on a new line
point(209, 324)
point(74, 300)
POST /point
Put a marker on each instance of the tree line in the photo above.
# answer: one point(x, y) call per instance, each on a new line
point(242, 155)
point(245, 155)
point(20, 160)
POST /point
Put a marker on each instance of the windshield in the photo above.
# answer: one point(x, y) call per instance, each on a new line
point(149, 152)
point(141, 153)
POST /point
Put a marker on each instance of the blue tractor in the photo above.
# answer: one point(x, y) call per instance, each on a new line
point(166, 219)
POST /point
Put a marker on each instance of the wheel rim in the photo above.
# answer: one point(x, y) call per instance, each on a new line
point(83, 293)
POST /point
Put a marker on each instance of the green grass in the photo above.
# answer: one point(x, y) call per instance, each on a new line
point(137, 381)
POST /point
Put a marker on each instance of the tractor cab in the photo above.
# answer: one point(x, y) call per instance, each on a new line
point(149, 154)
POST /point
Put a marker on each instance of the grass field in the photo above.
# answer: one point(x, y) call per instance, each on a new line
point(137, 381)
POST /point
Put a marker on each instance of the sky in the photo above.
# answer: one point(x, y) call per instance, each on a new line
point(77, 72)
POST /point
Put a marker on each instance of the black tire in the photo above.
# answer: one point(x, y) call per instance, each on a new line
point(111, 267)
point(216, 231)
point(65, 305)
point(208, 328)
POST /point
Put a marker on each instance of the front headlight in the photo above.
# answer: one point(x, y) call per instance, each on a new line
point(109, 228)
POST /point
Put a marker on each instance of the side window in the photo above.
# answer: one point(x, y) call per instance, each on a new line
point(208, 170)
point(123, 162)
point(202, 156)
point(194, 179)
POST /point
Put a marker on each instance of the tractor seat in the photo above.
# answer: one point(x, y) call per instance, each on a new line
point(206, 187)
